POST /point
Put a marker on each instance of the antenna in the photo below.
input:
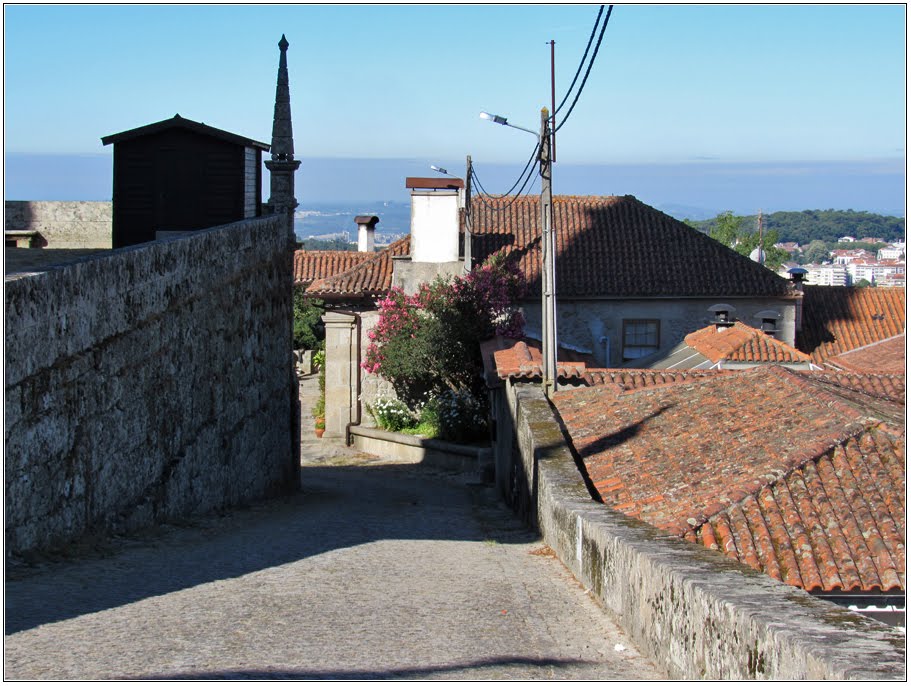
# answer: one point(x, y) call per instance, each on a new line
point(553, 105)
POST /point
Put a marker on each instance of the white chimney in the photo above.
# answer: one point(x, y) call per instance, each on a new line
point(366, 228)
point(434, 219)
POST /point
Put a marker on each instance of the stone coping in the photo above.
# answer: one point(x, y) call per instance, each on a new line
point(696, 612)
point(417, 449)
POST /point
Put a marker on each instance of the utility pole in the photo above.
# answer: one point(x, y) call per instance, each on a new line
point(468, 264)
point(548, 245)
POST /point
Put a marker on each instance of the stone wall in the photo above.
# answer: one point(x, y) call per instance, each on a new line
point(150, 383)
point(79, 224)
point(697, 613)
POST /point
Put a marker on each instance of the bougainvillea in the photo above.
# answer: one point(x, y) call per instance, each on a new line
point(429, 342)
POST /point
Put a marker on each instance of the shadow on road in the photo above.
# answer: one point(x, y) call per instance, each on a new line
point(456, 671)
point(337, 507)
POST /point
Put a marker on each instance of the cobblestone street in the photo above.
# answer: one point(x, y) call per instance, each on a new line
point(375, 569)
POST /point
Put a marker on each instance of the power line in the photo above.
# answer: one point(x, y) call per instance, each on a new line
point(514, 199)
point(587, 71)
point(581, 63)
point(531, 159)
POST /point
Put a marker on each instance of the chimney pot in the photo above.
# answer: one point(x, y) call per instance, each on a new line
point(366, 230)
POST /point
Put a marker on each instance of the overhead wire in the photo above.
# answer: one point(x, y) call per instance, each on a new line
point(587, 71)
point(527, 172)
point(581, 63)
point(531, 159)
point(507, 205)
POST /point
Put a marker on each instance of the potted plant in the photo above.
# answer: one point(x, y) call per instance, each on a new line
point(319, 415)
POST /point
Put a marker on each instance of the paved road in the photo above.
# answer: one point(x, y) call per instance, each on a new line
point(376, 569)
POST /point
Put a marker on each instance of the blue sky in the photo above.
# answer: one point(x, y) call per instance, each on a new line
point(673, 84)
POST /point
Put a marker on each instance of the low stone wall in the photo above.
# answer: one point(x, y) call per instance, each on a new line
point(149, 383)
point(697, 613)
point(426, 450)
point(61, 224)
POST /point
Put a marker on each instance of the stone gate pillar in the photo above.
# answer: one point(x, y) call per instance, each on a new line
point(341, 372)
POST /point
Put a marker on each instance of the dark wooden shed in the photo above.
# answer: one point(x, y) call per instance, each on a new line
point(181, 175)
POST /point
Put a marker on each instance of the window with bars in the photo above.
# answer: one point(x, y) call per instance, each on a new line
point(640, 337)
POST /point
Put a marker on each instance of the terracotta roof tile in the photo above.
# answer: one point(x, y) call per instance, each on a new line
point(742, 343)
point(885, 357)
point(613, 246)
point(521, 360)
point(370, 277)
point(837, 319)
point(886, 386)
point(784, 471)
point(311, 265)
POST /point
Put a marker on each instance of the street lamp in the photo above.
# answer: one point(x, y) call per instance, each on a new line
point(548, 251)
point(497, 119)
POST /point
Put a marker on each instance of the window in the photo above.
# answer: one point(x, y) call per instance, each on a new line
point(640, 338)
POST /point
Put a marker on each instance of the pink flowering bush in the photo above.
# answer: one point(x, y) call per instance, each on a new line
point(429, 342)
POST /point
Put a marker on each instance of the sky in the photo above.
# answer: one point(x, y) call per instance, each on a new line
point(705, 88)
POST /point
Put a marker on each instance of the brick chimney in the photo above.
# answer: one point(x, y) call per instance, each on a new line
point(434, 219)
point(366, 228)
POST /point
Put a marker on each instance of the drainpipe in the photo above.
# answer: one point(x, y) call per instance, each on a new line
point(357, 421)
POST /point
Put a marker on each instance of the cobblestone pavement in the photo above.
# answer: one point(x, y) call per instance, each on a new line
point(376, 569)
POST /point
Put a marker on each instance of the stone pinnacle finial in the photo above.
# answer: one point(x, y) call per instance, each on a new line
point(282, 137)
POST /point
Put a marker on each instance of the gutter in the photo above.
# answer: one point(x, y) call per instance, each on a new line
point(359, 415)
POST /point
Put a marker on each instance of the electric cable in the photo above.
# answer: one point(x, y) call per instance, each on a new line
point(534, 154)
point(581, 63)
point(587, 71)
point(507, 205)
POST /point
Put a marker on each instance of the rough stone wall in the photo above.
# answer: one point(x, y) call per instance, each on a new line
point(79, 224)
point(150, 383)
point(586, 322)
point(693, 610)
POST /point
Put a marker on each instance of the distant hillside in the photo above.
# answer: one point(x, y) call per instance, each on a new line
point(824, 225)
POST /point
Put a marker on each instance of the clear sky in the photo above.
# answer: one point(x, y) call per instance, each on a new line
point(672, 83)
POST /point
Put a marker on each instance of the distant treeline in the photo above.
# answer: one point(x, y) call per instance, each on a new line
point(823, 225)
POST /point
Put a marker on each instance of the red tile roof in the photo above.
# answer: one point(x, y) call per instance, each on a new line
point(606, 247)
point(368, 278)
point(742, 343)
point(311, 265)
point(887, 386)
point(522, 361)
point(614, 246)
point(799, 478)
point(884, 357)
point(837, 319)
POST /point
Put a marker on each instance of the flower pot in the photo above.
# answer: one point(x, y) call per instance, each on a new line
point(319, 432)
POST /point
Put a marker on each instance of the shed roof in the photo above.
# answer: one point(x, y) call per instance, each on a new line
point(178, 122)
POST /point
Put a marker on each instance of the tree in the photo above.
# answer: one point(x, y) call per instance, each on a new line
point(307, 325)
point(429, 342)
point(816, 252)
point(861, 283)
point(727, 228)
point(732, 231)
